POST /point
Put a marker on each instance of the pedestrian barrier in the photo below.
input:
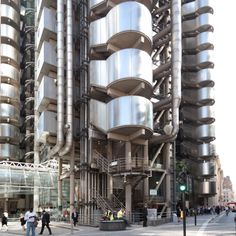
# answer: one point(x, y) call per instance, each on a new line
point(114, 225)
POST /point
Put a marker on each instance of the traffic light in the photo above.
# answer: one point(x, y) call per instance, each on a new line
point(183, 188)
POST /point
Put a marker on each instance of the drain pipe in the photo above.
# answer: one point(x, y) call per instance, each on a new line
point(60, 79)
point(176, 42)
point(69, 78)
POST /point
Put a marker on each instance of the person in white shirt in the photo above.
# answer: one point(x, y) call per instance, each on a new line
point(30, 218)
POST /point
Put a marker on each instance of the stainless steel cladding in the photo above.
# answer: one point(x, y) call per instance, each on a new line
point(47, 26)
point(202, 78)
point(206, 169)
point(200, 115)
point(47, 60)
point(195, 150)
point(47, 125)
point(46, 93)
point(124, 115)
point(102, 5)
point(9, 114)
point(9, 74)
point(98, 115)
point(10, 55)
point(200, 133)
point(10, 35)
point(121, 29)
point(207, 188)
point(10, 79)
point(8, 151)
point(124, 70)
point(9, 93)
point(127, 114)
point(9, 133)
point(200, 96)
point(198, 91)
point(10, 16)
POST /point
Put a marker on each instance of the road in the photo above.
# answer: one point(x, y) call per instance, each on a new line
point(207, 225)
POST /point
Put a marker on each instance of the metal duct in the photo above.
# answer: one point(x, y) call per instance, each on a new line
point(60, 78)
point(69, 85)
point(176, 43)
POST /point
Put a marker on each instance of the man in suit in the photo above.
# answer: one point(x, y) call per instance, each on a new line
point(74, 217)
point(45, 222)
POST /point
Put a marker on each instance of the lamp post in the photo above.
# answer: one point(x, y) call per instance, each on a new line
point(183, 189)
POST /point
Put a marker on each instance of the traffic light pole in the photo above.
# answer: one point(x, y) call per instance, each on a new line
point(184, 214)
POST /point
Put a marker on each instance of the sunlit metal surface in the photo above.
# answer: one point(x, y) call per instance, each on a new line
point(201, 133)
point(10, 55)
point(9, 93)
point(129, 112)
point(200, 24)
point(121, 29)
point(197, 7)
point(200, 115)
point(47, 60)
point(47, 26)
point(202, 78)
point(9, 132)
point(201, 96)
point(9, 74)
point(10, 152)
point(47, 125)
point(10, 16)
point(47, 93)
point(207, 188)
point(9, 35)
point(9, 113)
point(124, 71)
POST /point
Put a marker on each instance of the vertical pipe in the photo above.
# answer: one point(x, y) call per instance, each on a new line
point(146, 180)
point(60, 78)
point(36, 118)
point(72, 184)
point(69, 79)
point(59, 184)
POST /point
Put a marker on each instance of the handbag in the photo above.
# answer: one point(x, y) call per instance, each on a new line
point(35, 223)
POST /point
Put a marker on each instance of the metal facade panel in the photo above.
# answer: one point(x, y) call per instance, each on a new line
point(47, 93)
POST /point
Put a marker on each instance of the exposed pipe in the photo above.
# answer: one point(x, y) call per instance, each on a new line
point(60, 78)
point(176, 42)
point(69, 78)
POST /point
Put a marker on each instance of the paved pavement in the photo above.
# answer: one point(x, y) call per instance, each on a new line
point(63, 229)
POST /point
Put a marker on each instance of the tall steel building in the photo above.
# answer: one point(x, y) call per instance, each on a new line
point(96, 99)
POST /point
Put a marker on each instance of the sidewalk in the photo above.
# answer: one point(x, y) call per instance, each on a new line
point(62, 228)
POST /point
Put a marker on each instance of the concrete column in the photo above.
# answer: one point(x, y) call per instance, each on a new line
point(59, 183)
point(128, 186)
point(146, 180)
point(5, 204)
point(128, 199)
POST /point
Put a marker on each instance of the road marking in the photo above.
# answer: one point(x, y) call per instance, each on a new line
point(200, 232)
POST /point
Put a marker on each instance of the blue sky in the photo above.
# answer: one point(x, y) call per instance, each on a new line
point(225, 85)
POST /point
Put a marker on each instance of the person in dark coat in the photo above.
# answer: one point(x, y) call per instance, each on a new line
point(145, 214)
point(4, 221)
point(74, 217)
point(45, 222)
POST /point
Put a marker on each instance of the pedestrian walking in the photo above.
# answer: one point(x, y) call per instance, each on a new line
point(4, 222)
point(75, 217)
point(31, 219)
point(145, 214)
point(45, 222)
point(22, 221)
